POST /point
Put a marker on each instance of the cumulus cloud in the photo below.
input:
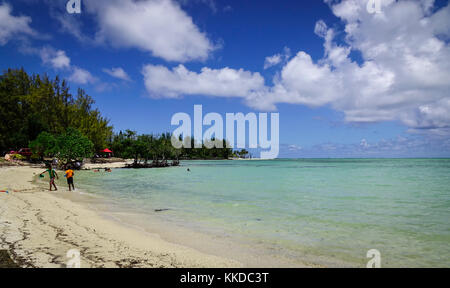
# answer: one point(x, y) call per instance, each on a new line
point(276, 59)
point(82, 76)
point(160, 27)
point(118, 73)
point(226, 82)
point(58, 59)
point(19, 26)
point(12, 26)
point(272, 60)
point(55, 58)
point(403, 74)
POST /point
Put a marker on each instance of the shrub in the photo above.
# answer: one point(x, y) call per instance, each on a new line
point(18, 157)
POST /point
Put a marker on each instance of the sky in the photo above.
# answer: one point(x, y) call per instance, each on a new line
point(347, 81)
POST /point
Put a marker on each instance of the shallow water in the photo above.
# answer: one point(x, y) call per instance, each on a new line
point(333, 209)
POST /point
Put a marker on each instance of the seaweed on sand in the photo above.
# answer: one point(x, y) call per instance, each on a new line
point(6, 261)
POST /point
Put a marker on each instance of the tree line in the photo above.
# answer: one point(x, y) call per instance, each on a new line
point(157, 149)
point(40, 113)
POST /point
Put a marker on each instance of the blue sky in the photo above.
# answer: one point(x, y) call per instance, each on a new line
point(346, 82)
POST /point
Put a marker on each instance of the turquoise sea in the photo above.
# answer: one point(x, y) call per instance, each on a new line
point(326, 211)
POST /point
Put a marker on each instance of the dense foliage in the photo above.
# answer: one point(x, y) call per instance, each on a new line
point(45, 145)
point(33, 104)
point(71, 146)
point(145, 147)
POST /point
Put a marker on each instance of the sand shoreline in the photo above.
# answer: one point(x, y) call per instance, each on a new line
point(38, 228)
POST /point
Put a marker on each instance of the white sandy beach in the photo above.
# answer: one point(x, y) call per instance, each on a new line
point(38, 228)
point(112, 165)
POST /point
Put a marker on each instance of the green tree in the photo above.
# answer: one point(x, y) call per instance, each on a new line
point(243, 153)
point(44, 145)
point(33, 104)
point(73, 146)
point(14, 85)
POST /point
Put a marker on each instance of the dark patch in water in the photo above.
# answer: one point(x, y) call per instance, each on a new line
point(161, 210)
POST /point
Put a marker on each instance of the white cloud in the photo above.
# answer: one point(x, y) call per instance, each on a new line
point(117, 73)
point(294, 147)
point(55, 58)
point(58, 59)
point(12, 26)
point(272, 60)
point(364, 143)
point(82, 76)
point(405, 67)
point(321, 29)
point(226, 82)
point(276, 59)
point(403, 75)
point(160, 27)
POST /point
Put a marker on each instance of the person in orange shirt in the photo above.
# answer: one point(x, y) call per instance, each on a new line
point(69, 176)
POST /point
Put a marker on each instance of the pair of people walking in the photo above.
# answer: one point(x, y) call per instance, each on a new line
point(53, 175)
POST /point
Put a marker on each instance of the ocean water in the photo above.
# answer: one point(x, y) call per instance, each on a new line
point(328, 211)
